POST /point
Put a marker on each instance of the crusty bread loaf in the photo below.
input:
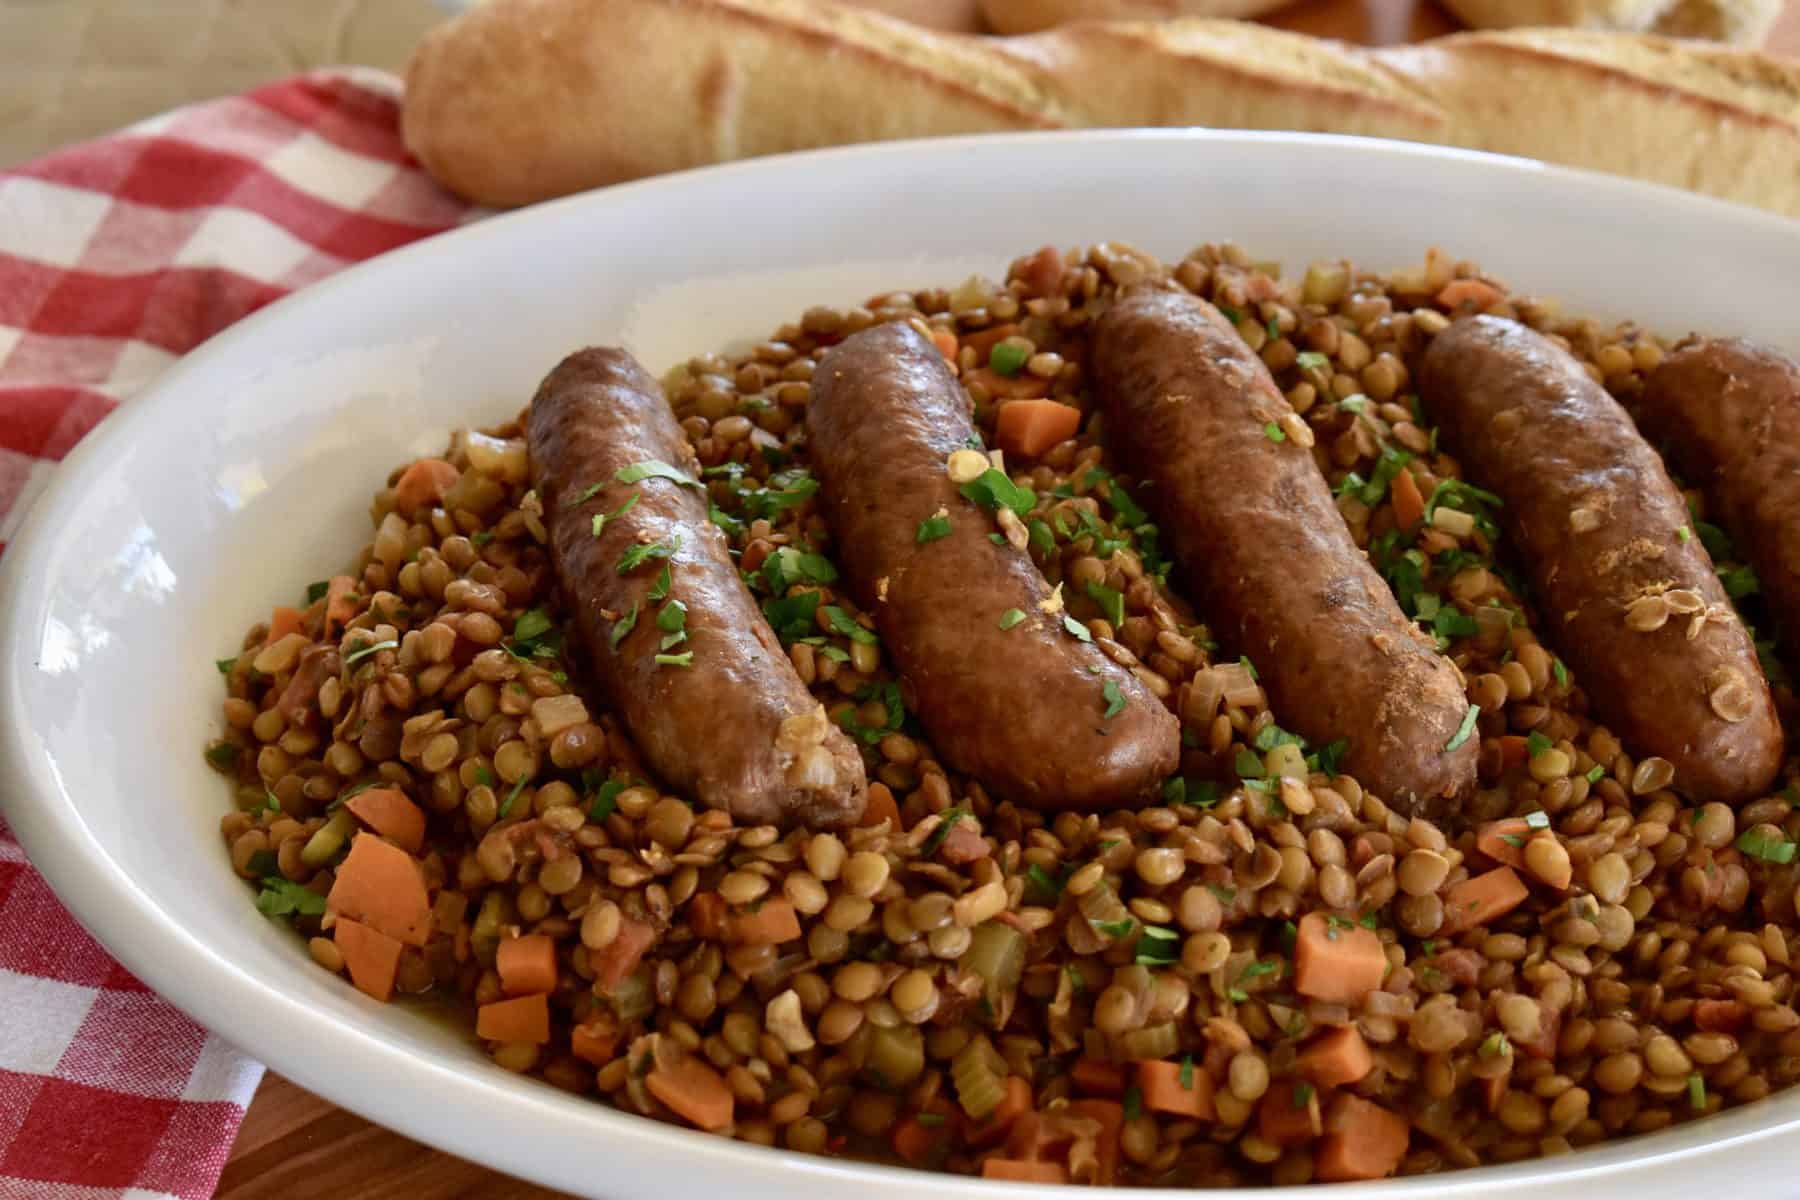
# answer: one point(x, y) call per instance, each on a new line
point(1710, 118)
point(1223, 74)
point(1029, 16)
point(519, 100)
point(1740, 22)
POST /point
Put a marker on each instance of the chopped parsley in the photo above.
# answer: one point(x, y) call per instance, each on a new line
point(511, 798)
point(724, 520)
point(1311, 360)
point(1303, 1094)
point(1495, 1045)
point(1596, 774)
point(1536, 743)
point(1186, 1075)
point(285, 898)
point(786, 489)
point(358, 655)
point(1042, 540)
point(842, 622)
point(316, 591)
point(1392, 463)
point(1739, 581)
point(1134, 1103)
point(889, 695)
point(1221, 893)
point(651, 468)
point(1244, 662)
point(605, 800)
point(792, 616)
point(1685, 534)
point(225, 665)
point(1464, 730)
point(1561, 672)
point(1330, 755)
point(684, 659)
point(1765, 847)
point(1006, 358)
point(1077, 629)
point(659, 591)
point(1249, 766)
point(1110, 600)
point(1696, 1091)
point(1357, 403)
point(672, 620)
point(1158, 947)
point(1115, 699)
point(623, 626)
point(1464, 497)
point(992, 490)
point(1049, 885)
point(1115, 929)
point(1200, 793)
point(1537, 819)
point(1274, 432)
point(931, 529)
point(640, 553)
point(600, 519)
point(1273, 735)
point(1011, 617)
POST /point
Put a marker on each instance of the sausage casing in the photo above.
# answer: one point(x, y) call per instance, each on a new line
point(1634, 605)
point(1022, 709)
point(1727, 414)
point(1251, 520)
point(734, 728)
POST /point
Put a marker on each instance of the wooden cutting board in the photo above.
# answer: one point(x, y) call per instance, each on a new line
point(295, 1146)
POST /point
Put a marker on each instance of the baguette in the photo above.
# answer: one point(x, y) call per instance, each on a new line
point(1709, 118)
point(1740, 22)
point(520, 100)
point(1030, 16)
point(1223, 74)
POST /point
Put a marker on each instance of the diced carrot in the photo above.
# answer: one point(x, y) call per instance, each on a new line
point(1289, 1114)
point(945, 341)
point(1493, 1091)
point(422, 485)
point(339, 608)
point(1549, 1033)
point(694, 1092)
point(1515, 751)
point(527, 965)
point(372, 956)
point(1409, 504)
point(388, 812)
point(1098, 1077)
point(1469, 291)
point(1111, 1116)
point(708, 915)
point(596, 1042)
point(282, 621)
point(1028, 428)
point(770, 924)
point(623, 954)
point(1164, 1089)
point(1015, 1101)
point(921, 1143)
point(1482, 898)
point(1720, 1016)
point(521, 1019)
point(1023, 386)
point(1491, 840)
point(1023, 1172)
point(1337, 960)
point(1042, 272)
point(982, 341)
point(1365, 1141)
point(381, 885)
point(881, 807)
point(1337, 1058)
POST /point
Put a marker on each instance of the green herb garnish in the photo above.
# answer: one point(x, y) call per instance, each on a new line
point(651, 468)
point(992, 490)
point(623, 626)
point(1464, 730)
point(842, 622)
point(1007, 358)
point(1077, 629)
point(285, 898)
point(600, 519)
point(931, 529)
point(1011, 617)
point(356, 656)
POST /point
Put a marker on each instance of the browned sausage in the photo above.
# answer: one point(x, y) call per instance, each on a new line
point(1727, 413)
point(1252, 523)
point(1021, 709)
point(1631, 604)
point(733, 726)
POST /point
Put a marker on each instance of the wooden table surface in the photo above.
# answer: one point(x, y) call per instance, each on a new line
point(295, 1146)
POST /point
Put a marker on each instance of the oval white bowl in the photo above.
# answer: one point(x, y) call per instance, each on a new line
point(246, 472)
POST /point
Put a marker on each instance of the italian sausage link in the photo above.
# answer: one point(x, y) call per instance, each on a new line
point(1015, 701)
point(1633, 605)
point(1727, 413)
point(732, 726)
point(1189, 407)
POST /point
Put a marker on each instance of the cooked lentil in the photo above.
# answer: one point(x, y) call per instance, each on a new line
point(1644, 981)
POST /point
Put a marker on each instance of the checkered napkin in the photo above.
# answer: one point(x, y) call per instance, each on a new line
point(116, 257)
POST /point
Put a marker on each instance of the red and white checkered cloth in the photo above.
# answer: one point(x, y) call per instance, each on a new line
point(117, 257)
